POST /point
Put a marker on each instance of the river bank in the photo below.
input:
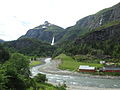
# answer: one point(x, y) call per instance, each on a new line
point(52, 68)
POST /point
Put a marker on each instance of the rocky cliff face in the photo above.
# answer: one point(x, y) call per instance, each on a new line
point(100, 18)
point(45, 32)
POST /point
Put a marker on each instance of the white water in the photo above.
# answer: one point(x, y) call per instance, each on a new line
point(101, 20)
point(53, 41)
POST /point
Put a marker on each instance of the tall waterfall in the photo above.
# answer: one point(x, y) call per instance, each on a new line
point(52, 41)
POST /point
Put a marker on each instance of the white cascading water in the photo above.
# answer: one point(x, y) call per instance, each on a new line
point(52, 41)
point(101, 20)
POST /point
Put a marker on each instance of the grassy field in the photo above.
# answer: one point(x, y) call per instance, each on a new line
point(34, 63)
point(70, 64)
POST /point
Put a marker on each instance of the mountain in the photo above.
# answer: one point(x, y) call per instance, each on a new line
point(1, 40)
point(45, 32)
point(91, 22)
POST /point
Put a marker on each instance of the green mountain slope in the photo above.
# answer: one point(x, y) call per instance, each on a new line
point(30, 47)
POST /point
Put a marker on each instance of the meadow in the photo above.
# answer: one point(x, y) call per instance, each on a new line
point(68, 63)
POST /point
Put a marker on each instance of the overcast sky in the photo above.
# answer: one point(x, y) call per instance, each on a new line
point(18, 16)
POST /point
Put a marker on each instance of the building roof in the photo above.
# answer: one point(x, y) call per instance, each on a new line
point(111, 68)
point(85, 67)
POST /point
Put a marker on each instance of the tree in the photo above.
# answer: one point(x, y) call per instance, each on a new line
point(17, 73)
point(3, 78)
point(4, 55)
point(40, 78)
point(21, 63)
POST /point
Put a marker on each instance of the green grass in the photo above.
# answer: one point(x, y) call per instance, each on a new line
point(34, 63)
point(70, 64)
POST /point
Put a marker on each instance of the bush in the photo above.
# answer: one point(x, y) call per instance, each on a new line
point(40, 78)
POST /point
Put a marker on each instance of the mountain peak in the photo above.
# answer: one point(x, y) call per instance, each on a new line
point(46, 23)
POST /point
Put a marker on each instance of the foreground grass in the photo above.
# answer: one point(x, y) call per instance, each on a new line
point(34, 63)
point(70, 64)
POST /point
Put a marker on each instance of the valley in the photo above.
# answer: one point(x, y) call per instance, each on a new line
point(85, 56)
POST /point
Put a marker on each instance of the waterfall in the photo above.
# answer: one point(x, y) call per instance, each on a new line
point(52, 41)
point(101, 20)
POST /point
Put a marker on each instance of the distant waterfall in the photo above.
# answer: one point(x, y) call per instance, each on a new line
point(53, 41)
point(101, 20)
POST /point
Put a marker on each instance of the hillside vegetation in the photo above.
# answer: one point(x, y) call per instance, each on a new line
point(31, 47)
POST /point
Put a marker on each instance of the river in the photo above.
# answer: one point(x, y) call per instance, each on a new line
point(76, 80)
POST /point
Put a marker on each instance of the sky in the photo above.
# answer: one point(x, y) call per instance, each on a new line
point(18, 16)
